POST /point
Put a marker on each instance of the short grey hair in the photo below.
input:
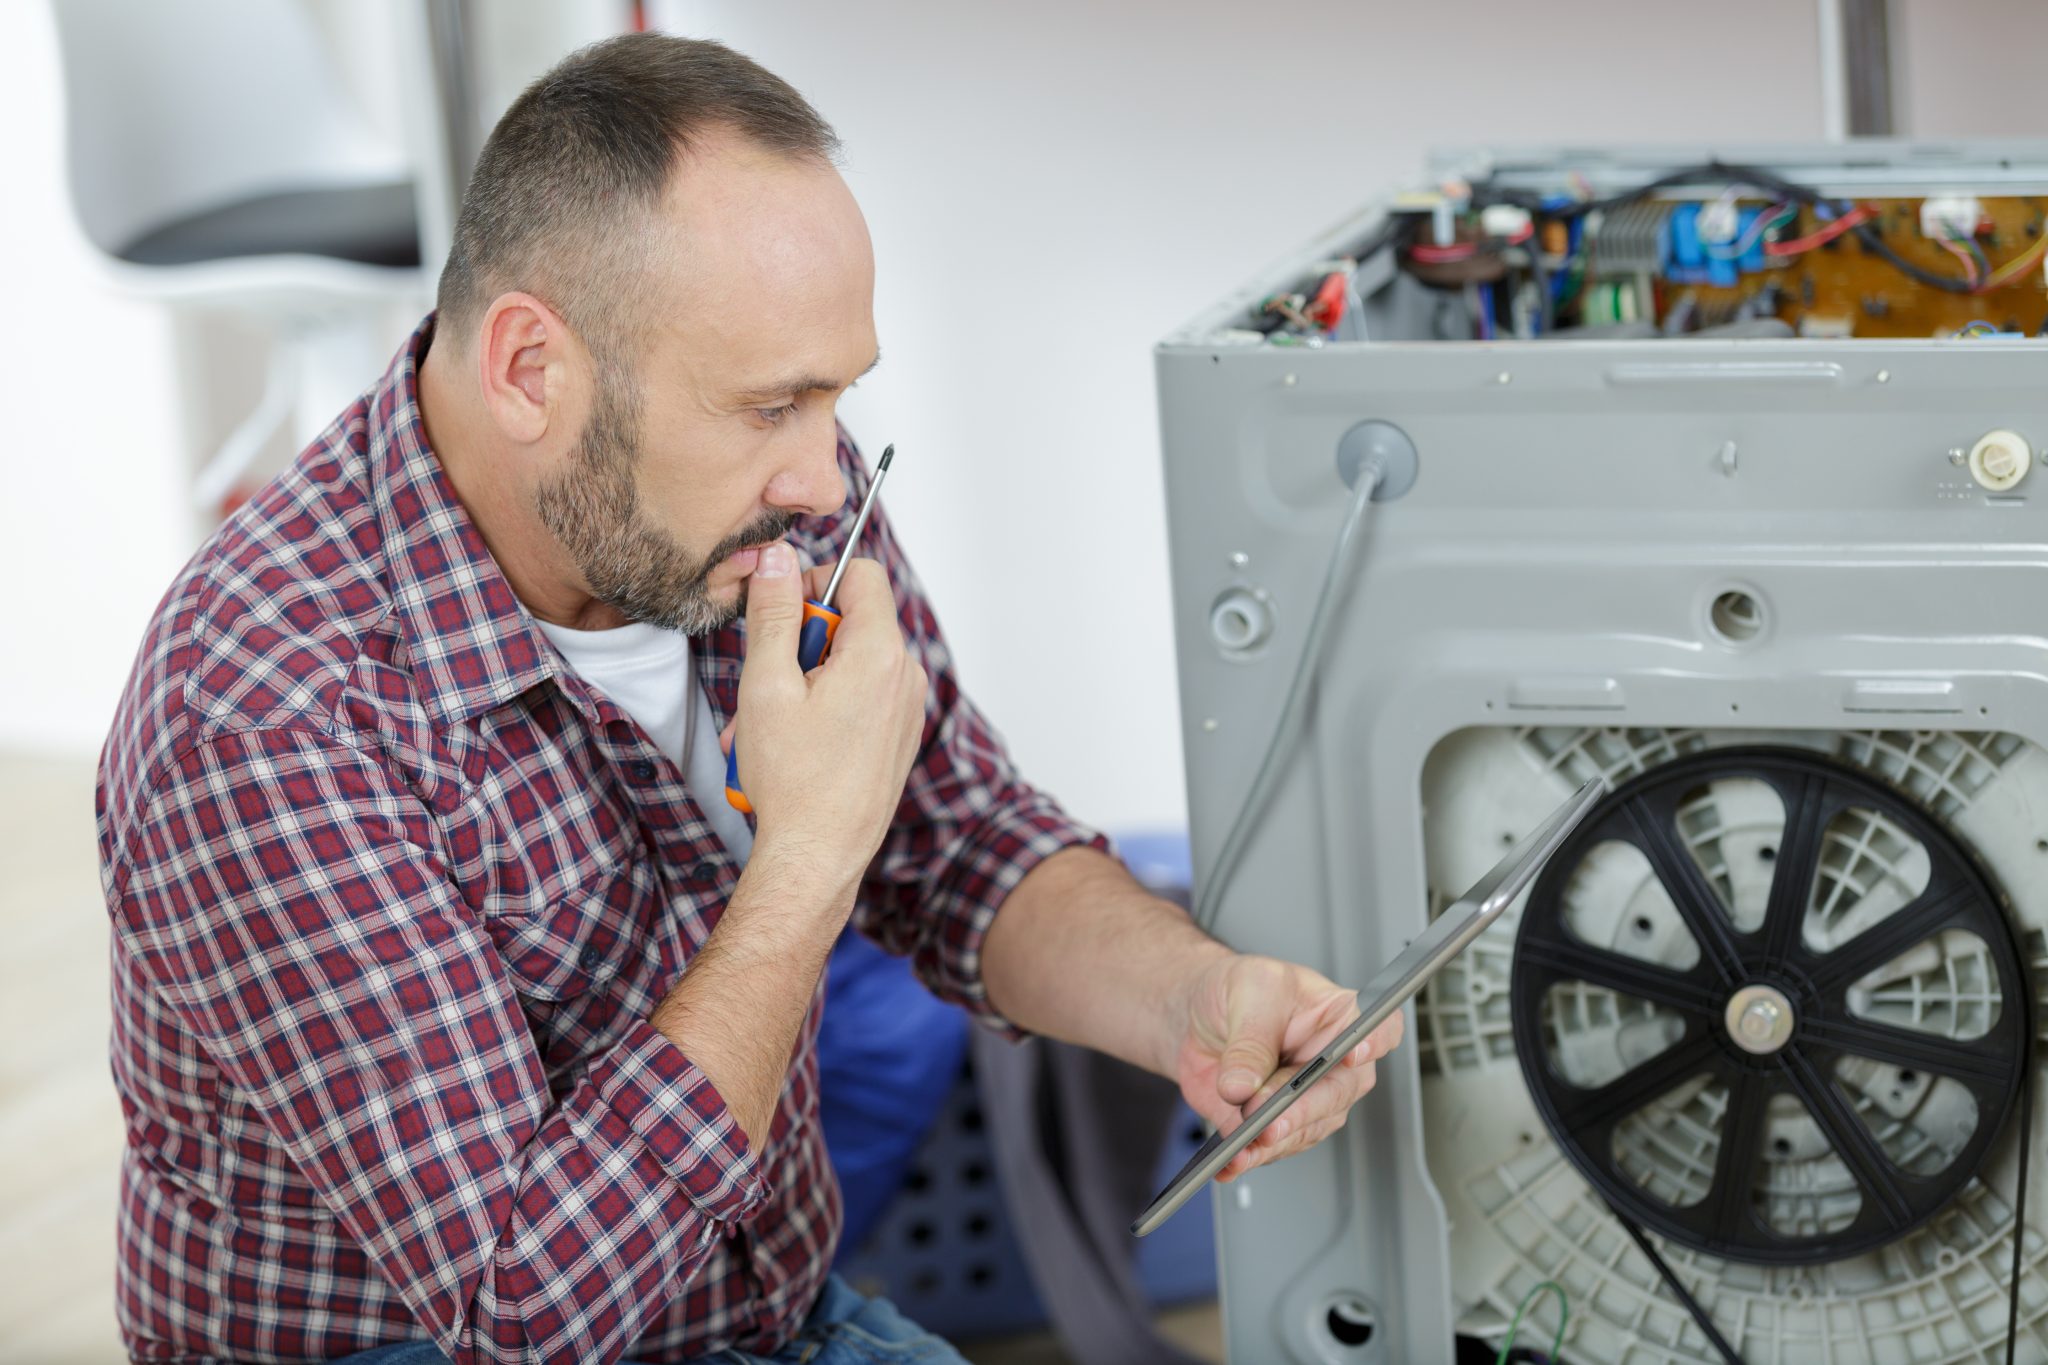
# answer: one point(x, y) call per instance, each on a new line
point(562, 201)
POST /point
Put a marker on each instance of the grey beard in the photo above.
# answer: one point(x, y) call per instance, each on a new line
point(630, 564)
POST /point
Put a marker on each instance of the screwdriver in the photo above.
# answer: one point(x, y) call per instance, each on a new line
point(821, 622)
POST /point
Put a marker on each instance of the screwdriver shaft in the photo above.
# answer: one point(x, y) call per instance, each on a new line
point(860, 524)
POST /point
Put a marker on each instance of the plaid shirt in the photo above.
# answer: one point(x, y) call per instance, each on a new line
point(394, 894)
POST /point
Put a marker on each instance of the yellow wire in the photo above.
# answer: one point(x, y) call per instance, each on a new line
point(2016, 267)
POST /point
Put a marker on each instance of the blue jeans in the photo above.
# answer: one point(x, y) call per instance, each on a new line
point(844, 1328)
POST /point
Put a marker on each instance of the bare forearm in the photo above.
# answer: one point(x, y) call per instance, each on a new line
point(1082, 953)
point(741, 1003)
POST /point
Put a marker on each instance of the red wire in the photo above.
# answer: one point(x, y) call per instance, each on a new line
point(1433, 255)
point(1460, 251)
point(1821, 238)
point(1327, 308)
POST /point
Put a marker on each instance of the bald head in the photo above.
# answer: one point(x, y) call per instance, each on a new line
point(767, 292)
point(566, 201)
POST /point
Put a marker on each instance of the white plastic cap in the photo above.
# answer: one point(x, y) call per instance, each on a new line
point(2000, 459)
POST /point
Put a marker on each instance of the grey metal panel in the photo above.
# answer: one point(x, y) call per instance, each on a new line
point(1576, 512)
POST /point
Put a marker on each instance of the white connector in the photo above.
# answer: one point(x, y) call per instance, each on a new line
point(1503, 221)
point(1951, 215)
point(2000, 459)
point(1719, 221)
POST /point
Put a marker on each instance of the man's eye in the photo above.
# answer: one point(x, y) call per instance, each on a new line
point(774, 415)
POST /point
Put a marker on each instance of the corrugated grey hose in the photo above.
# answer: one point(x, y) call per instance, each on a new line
point(1349, 537)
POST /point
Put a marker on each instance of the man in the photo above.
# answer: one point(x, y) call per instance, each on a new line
point(453, 1005)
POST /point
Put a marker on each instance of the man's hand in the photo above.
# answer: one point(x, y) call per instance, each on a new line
point(824, 757)
point(1247, 1016)
point(1082, 953)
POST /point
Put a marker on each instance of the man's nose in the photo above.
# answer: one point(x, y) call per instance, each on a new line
point(813, 485)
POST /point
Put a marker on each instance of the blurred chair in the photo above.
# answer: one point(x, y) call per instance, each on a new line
point(217, 164)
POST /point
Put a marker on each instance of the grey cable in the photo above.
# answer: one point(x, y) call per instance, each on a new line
point(1213, 885)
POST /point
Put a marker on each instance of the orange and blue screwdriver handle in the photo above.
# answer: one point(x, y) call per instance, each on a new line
point(821, 623)
point(815, 642)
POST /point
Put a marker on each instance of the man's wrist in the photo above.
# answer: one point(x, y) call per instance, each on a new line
point(794, 880)
point(1200, 955)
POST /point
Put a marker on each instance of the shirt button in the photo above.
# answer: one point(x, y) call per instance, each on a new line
point(590, 959)
point(644, 770)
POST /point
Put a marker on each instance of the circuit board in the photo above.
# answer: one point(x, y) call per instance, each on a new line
point(1842, 287)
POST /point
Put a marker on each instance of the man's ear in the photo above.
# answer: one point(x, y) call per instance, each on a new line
point(526, 365)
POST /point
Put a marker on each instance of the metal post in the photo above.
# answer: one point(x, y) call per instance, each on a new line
point(1855, 69)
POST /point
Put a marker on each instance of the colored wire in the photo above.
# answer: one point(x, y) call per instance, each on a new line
point(1342, 553)
point(1546, 299)
point(2015, 268)
point(1443, 255)
point(1723, 172)
point(1954, 246)
point(1765, 221)
point(1564, 1313)
point(1799, 246)
point(1291, 311)
point(1977, 255)
point(1430, 254)
point(1973, 328)
point(1332, 296)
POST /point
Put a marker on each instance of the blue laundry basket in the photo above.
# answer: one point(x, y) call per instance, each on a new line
point(942, 1248)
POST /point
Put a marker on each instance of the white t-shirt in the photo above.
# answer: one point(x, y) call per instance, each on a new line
point(646, 671)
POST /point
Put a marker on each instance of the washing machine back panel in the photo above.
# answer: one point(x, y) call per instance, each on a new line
point(1770, 537)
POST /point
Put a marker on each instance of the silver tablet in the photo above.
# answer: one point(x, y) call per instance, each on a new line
point(1456, 927)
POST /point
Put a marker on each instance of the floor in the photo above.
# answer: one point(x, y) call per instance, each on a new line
point(60, 1126)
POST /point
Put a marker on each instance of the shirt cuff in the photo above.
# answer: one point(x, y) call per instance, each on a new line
point(650, 1088)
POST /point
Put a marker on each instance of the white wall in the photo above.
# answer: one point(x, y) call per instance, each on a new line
point(1969, 68)
point(1051, 186)
point(85, 549)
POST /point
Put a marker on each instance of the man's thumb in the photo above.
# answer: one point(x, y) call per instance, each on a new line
point(775, 605)
point(1243, 1068)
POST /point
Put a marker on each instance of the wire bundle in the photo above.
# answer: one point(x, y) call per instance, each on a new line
point(1846, 218)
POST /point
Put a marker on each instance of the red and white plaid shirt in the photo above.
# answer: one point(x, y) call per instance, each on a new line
point(394, 894)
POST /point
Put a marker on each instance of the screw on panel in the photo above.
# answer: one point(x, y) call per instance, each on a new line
point(1728, 458)
point(1238, 559)
point(1956, 456)
point(1884, 376)
point(1209, 724)
point(1503, 378)
point(1291, 380)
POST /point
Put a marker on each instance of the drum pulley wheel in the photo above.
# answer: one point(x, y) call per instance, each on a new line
point(1763, 1013)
